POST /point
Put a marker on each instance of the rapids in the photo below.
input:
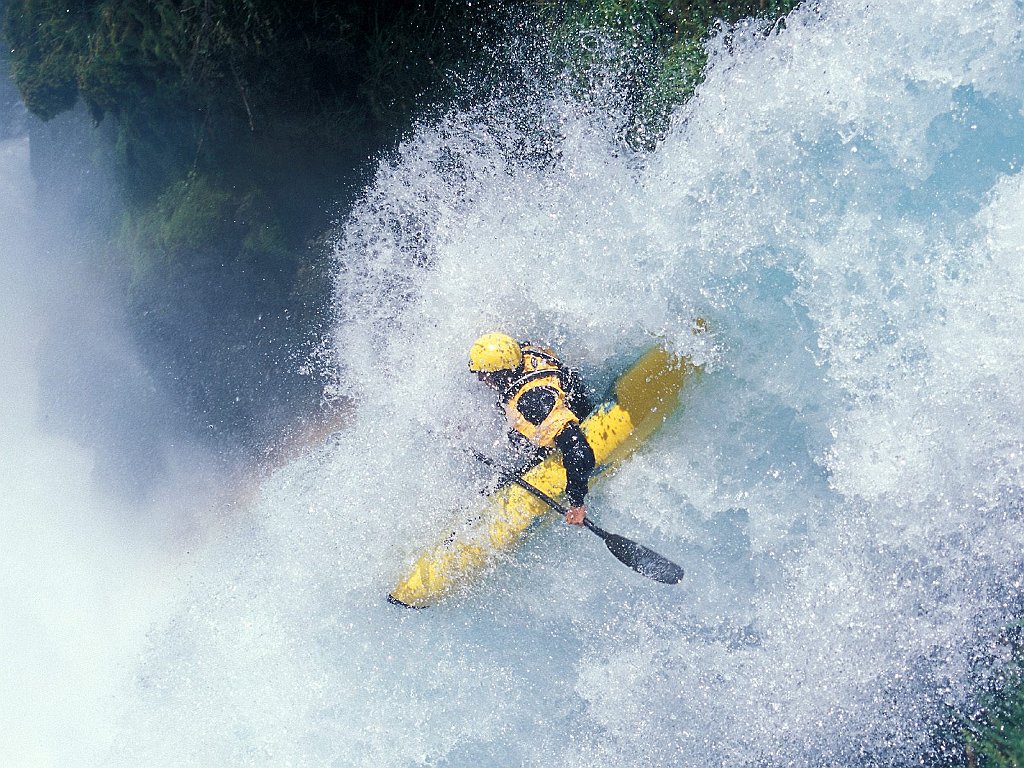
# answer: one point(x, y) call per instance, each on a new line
point(841, 201)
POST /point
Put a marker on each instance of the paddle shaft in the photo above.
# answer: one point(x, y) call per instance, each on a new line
point(644, 561)
point(559, 508)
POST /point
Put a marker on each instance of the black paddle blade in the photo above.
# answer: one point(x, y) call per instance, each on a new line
point(644, 561)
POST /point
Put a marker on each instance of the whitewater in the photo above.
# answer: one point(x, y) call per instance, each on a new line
point(841, 202)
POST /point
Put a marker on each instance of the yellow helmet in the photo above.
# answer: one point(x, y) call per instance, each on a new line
point(495, 352)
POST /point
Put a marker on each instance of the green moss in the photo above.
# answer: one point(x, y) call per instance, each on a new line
point(198, 220)
point(191, 215)
point(46, 38)
point(994, 738)
point(655, 49)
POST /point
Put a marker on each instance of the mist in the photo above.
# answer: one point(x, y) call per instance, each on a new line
point(103, 496)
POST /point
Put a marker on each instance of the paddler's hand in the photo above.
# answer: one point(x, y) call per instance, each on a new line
point(575, 515)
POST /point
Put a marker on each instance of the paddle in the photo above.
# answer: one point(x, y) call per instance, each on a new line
point(644, 561)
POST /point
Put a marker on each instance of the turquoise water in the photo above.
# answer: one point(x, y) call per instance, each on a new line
point(841, 201)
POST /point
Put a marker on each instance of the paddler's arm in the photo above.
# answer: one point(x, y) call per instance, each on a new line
point(578, 460)
point(577, 455)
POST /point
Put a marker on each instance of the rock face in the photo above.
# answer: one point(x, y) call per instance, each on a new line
point(13, 115)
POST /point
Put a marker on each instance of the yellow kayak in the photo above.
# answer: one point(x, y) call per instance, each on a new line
point(642, 399)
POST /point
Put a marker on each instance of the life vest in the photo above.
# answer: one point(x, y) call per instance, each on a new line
point(540, 369)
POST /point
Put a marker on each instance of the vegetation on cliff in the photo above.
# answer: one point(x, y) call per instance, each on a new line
point(994, 736)
point(657, 53)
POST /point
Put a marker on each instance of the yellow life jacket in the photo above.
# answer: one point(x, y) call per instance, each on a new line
point(540, 369)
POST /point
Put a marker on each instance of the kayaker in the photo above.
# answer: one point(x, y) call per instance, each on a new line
point(544, 401)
